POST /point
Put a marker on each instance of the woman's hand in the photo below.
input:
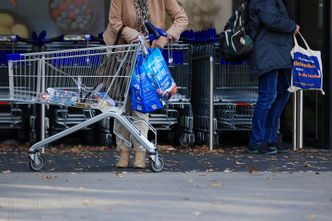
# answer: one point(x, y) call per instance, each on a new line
point(160, 42)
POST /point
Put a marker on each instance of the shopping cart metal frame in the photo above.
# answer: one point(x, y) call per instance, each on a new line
point(32, 74)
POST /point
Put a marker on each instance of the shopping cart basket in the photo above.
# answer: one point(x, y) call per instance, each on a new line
point(45, 78)
point(60, 118)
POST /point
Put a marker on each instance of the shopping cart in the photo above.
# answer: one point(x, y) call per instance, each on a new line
point(46, 79)
point(179, 58)
point(14, 117)
point(235, 94)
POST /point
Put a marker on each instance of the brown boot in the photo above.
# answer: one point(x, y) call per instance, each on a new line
point(139, 159)
point(124, 159)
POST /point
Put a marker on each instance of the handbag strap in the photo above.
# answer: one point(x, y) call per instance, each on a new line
point(305, 42)
point(118, 36)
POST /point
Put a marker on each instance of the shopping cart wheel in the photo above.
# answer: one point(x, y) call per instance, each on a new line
point(37, 167)
point(187, 140)
point(199, 138)
point(157, 168)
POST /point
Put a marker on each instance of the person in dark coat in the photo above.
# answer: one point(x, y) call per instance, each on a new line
point(272, 31)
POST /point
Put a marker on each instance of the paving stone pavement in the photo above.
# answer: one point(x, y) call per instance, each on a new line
point(166, 196)
point(81, 183)
point(80, 158)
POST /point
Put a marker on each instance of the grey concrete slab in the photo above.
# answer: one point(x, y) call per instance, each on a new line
point(167, 196)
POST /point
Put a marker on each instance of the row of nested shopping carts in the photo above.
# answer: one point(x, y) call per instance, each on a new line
point(24, 119)
point(234, 93)
point(68, 66)
point(176, 119)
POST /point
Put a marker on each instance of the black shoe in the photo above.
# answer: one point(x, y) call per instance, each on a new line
point(281, 148)
point(253, 150)
point(262, 149)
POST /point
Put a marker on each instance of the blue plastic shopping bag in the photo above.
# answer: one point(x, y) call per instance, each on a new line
point(307, 73)
point(159, 74)
point(135, 88)
point(144, 97)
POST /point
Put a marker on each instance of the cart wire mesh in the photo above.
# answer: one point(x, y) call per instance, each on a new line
point(96, 78)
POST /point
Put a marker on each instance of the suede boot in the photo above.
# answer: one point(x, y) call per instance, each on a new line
point(124, 159)
point(139, 159)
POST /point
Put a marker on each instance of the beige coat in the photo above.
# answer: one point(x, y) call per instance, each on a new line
point(122, 12)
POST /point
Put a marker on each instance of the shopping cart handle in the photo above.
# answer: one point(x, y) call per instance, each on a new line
point(55, 39)
point(26, 40)
point(43, 40)
point(155, 32)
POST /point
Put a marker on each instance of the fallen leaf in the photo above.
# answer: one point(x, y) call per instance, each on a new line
point(312, 216)
point(227, 170)
point(253, 170)
point(216, 183)
point(51, 177)
point(292, 164)
point(46, 177)
point(166, 148)
point(239, 163)
point(121, 174)
point(87, 202)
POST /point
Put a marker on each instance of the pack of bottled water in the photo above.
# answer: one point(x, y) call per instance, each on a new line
point(61, 97)
point(100, 100)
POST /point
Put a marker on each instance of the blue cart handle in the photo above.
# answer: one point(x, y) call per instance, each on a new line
point(155, 32)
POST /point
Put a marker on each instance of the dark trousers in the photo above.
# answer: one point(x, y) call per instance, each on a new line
point(272, 99)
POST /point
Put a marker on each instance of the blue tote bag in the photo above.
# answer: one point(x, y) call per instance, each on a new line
point(307, 72)
point(142, 90)
point(160, 76)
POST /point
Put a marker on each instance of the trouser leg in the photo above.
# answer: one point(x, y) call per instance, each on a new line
point(266, 96)
point(143, 128)
point(278, 107)
point(122, 135)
